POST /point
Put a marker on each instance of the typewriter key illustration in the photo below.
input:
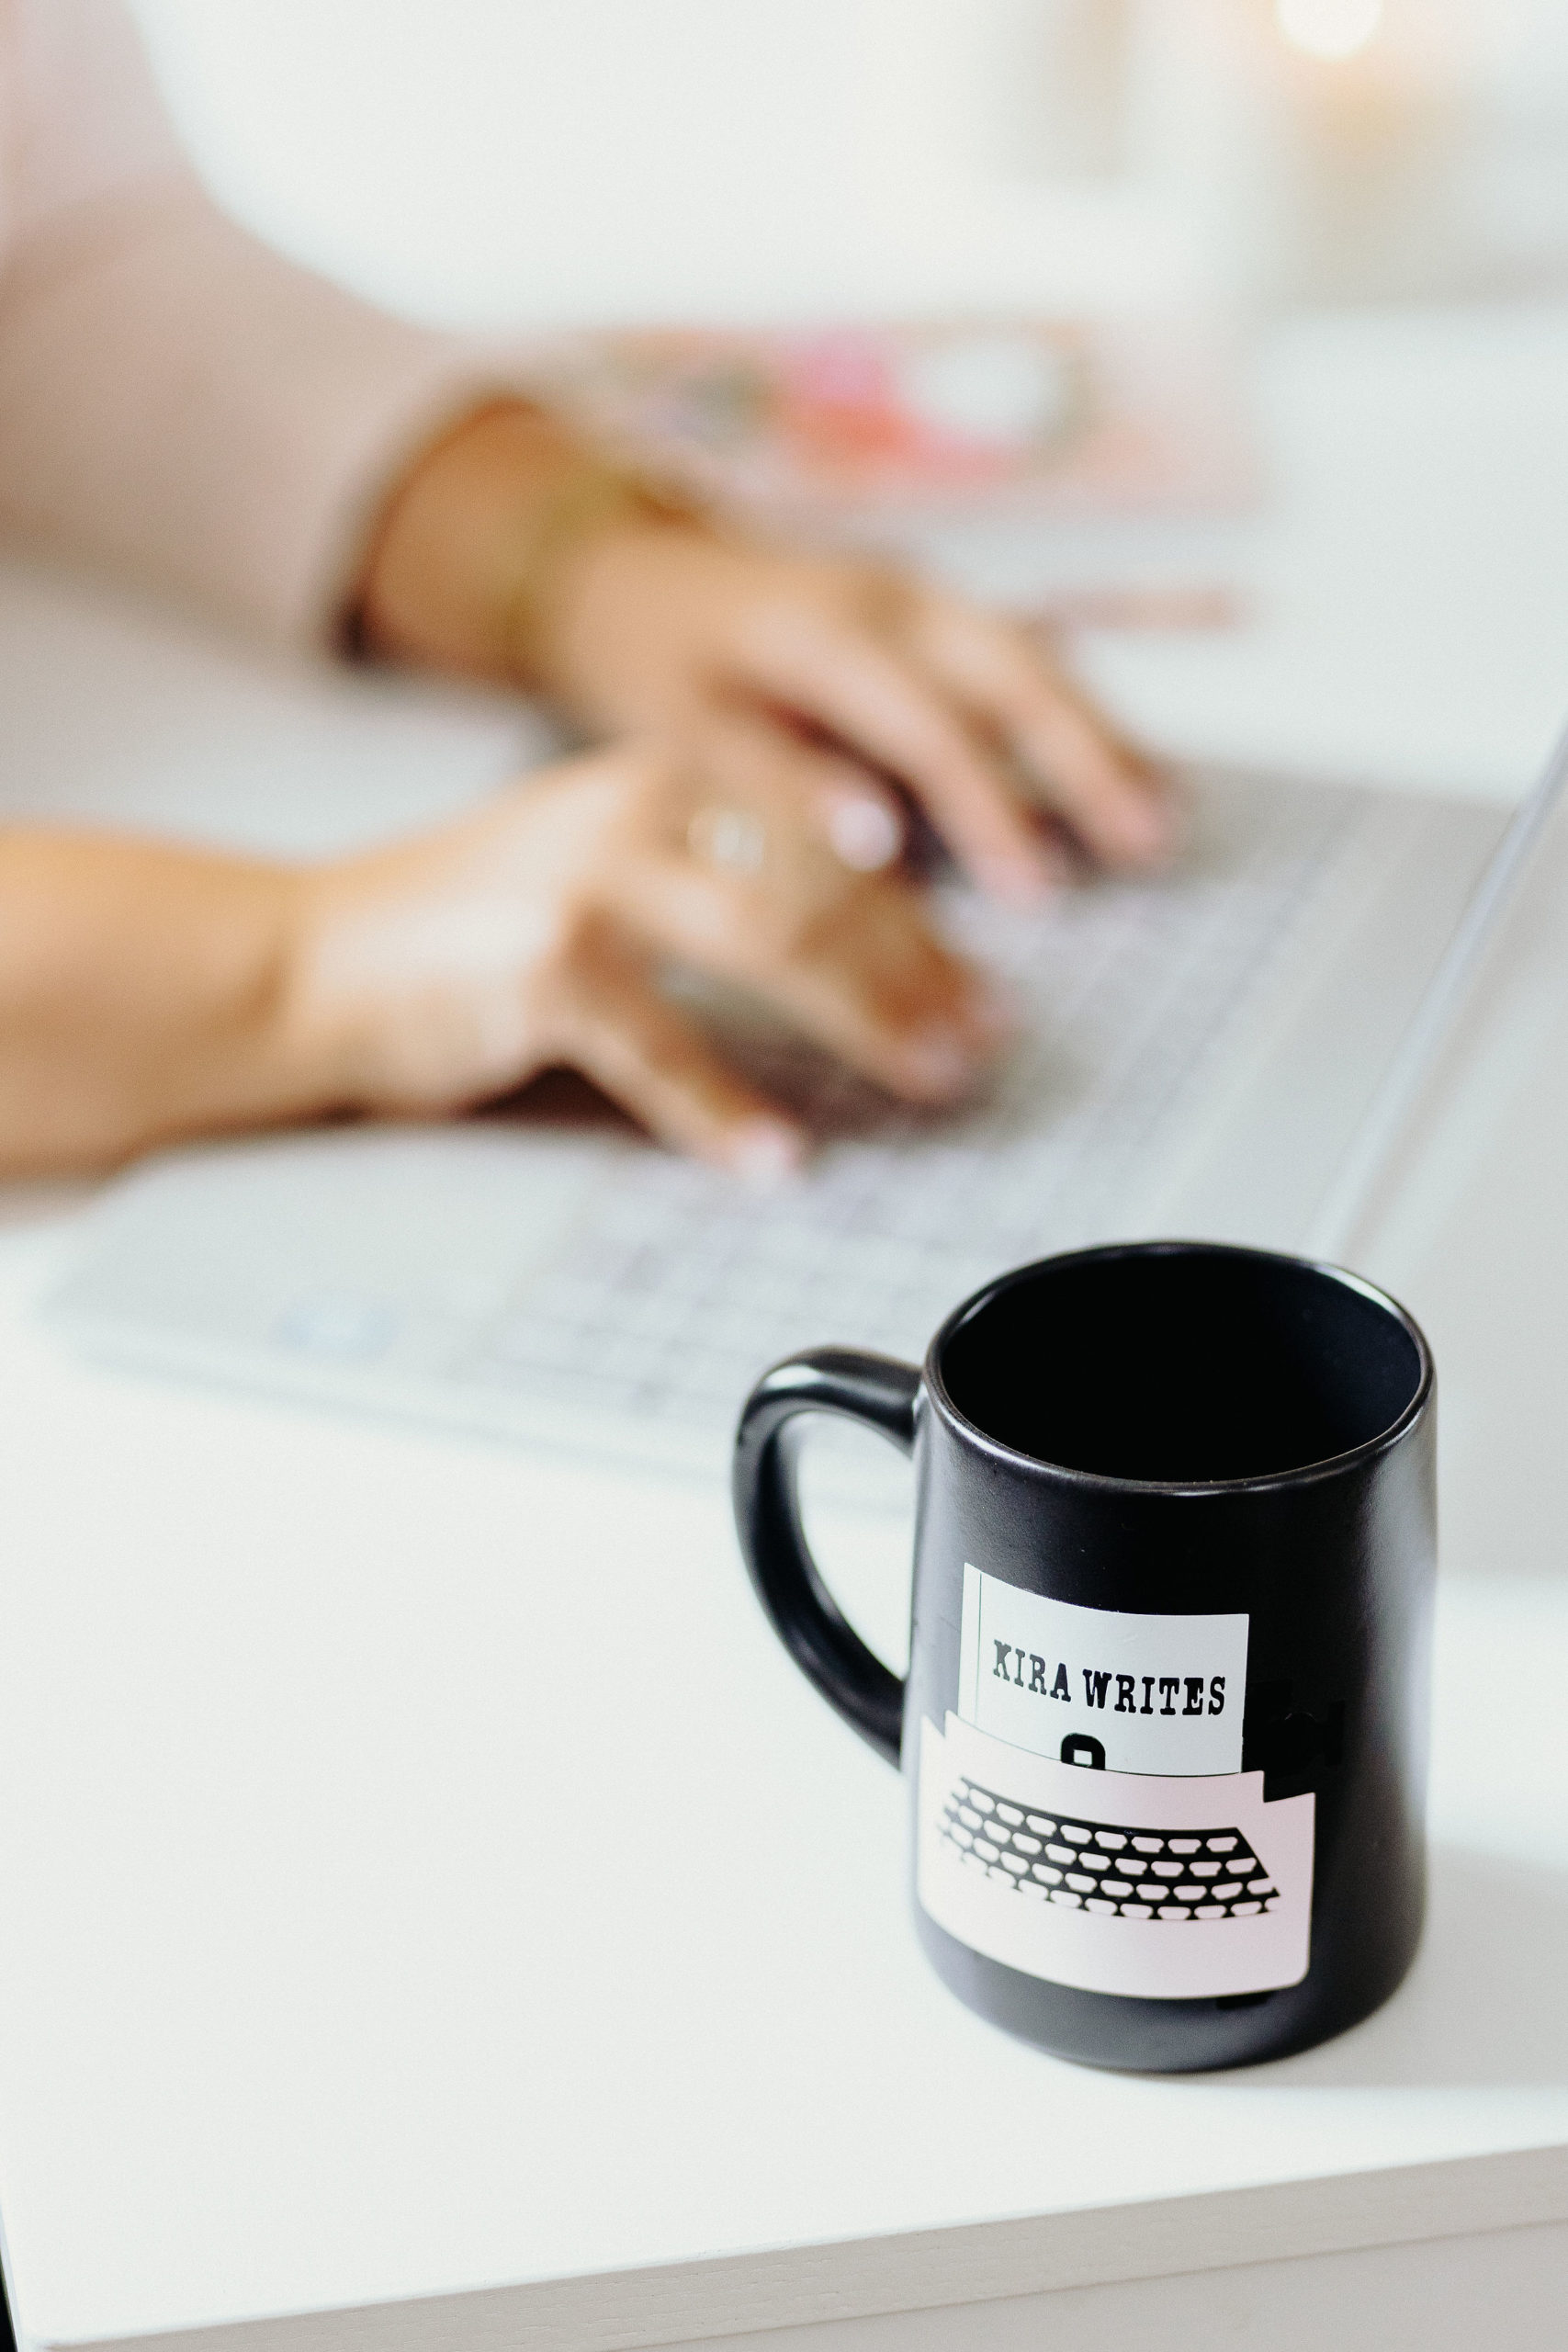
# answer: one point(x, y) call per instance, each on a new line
point(1118, 1871)
point(1122, 1883)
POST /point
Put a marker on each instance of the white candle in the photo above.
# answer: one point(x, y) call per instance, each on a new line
point(1330, 28)
point(1324, 147)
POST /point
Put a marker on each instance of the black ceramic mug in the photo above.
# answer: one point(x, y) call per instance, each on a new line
point(1166, 1721)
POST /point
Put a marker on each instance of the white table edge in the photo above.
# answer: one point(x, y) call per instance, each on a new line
point(980, 2262)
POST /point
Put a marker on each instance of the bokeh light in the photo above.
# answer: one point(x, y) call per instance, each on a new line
point(1331, 29)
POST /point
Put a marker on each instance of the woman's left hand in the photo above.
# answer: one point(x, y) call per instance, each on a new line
point(641, 625)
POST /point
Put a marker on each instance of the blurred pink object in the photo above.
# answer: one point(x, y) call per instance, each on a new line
point(1062, 417)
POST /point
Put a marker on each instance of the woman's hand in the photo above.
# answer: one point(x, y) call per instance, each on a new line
point(431, 976)
point(656, 626)
point(637, 624)
point(153, 992)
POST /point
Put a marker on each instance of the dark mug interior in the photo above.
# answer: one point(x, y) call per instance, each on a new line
point(1181, 1364)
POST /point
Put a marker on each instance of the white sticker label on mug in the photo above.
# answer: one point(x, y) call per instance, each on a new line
point(1179, 1889)
point(1102, 1686)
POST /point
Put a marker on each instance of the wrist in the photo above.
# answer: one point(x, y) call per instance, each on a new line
point(270, 1049)
point(327, 1026)
point(468, 560)
point(589, 511)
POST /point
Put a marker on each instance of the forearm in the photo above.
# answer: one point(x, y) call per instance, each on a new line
point(145, 993)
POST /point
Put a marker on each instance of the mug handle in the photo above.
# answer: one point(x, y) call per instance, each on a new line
point(802, 1613)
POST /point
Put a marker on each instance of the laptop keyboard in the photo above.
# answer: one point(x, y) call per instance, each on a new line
point(568, 1289)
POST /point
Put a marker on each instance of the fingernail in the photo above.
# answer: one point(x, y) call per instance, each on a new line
point(765, 1154)
point(1176, 820)
point(995, 1008)
point(1146, 824)
point(866, 834)
point(1021, 880)
point(939, 1059)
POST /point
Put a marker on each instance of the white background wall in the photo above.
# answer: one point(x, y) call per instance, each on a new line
point(517, 161)
point(506, 160)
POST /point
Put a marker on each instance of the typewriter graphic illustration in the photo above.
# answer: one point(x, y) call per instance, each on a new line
point(1120, 1871)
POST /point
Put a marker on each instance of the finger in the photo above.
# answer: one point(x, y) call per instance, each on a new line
point(1172, 605)
point(855, 964)
point(884, 994)
point(842, 674)
point(745, 886)
point(1113, 798)
point(614, 1025)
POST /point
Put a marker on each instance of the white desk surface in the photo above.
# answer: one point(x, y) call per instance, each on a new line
point(423, 1874)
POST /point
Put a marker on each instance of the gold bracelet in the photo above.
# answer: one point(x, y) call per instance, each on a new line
point(593, 497)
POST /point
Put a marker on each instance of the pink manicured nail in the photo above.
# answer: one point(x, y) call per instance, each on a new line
point(765, 1154)
point(866, 834)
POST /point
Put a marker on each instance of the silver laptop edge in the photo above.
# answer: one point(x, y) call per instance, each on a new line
point(1334, 1230)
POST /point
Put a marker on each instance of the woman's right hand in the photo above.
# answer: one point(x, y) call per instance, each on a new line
point(532, 933)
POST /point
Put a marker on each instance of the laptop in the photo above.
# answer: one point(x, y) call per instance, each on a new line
point(1220, 1051)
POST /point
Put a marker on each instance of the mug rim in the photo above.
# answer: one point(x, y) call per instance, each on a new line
point(1327, 1467)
